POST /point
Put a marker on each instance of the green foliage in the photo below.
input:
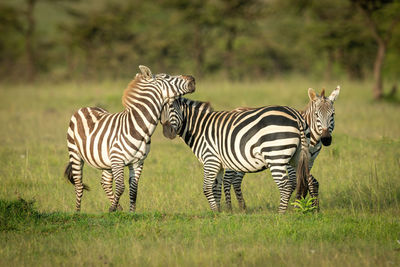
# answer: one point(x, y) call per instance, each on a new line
point(304, 205)
point(237, 39)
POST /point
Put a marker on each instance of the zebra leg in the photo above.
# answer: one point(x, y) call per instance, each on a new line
point(285, 188)
point(211, 170)
point(117, 168)
point(292, 178)
point(74, 173)
point(313, 187)
point(134, 175)
point(77, 166)
point(228, 178)
point(217, 188)
point(106, 183)
point(237, 186)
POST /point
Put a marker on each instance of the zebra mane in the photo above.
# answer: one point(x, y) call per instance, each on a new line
point(199, 105)
point(239, 109)
point(306, 108)
point(130, 90)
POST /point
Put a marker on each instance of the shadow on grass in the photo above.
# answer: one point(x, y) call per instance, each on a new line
point(22, 215)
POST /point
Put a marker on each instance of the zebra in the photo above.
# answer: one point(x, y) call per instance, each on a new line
point(244, 140)
point(320, 117)
point(110, 141)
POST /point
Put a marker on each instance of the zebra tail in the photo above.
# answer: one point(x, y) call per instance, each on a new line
point(68, 175)
point(302, 166)
point(302, 174)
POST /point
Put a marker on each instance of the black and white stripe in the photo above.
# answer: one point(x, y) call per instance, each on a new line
point(243, 140)
point(319, 115)
point(109, 141)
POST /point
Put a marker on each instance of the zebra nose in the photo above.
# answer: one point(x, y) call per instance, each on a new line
point(326, 137)
point(191, 84)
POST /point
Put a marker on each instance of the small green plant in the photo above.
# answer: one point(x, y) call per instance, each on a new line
point(304, 205)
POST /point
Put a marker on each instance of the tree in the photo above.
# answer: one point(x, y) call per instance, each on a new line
point(11, 50)
point(29, 43)
point(236, 17)
point(381, 16)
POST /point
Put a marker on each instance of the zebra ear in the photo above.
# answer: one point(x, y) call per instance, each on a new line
point(323, 93)
point(334, 94)
point(311, 94)
point(164, 114)
point(146, 72)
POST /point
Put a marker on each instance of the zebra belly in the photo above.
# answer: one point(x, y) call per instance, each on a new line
point(255, 166)
point(261, 161)
point(98, 155)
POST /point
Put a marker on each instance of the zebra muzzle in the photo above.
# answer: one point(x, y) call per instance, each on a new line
point(192, 83)
point(168, 130)
point(326, 138)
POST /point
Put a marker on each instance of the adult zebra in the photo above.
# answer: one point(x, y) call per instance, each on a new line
point(320, 117)
point(111, 141)
point(244, 140)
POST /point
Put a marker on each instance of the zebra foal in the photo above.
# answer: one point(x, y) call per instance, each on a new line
point(320, 117)
point(110, 141)
point(243, 140)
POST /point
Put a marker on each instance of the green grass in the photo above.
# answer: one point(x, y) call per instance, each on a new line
point(358, 174)
point(154, 238)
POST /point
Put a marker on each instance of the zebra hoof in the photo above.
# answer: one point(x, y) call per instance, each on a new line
point(132, 208)
point(216, 210)
point(112, 209)
point(281, 211)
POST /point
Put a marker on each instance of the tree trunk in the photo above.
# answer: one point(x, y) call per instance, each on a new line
point(380, 57)
point(30, 54)
point(382, 41)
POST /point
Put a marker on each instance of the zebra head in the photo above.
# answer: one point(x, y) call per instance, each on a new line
point(178, 115)
point(320, 115)
point(171, 118)
point(171, 86)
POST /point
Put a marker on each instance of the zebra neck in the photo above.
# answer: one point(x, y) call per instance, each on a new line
point(143, 118)
point(309, 118)
point(193, 126)
point(141, 93)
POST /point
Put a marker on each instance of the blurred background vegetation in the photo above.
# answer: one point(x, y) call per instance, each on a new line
point(233, 39)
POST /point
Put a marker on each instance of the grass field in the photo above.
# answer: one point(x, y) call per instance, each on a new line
point(359, 179)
